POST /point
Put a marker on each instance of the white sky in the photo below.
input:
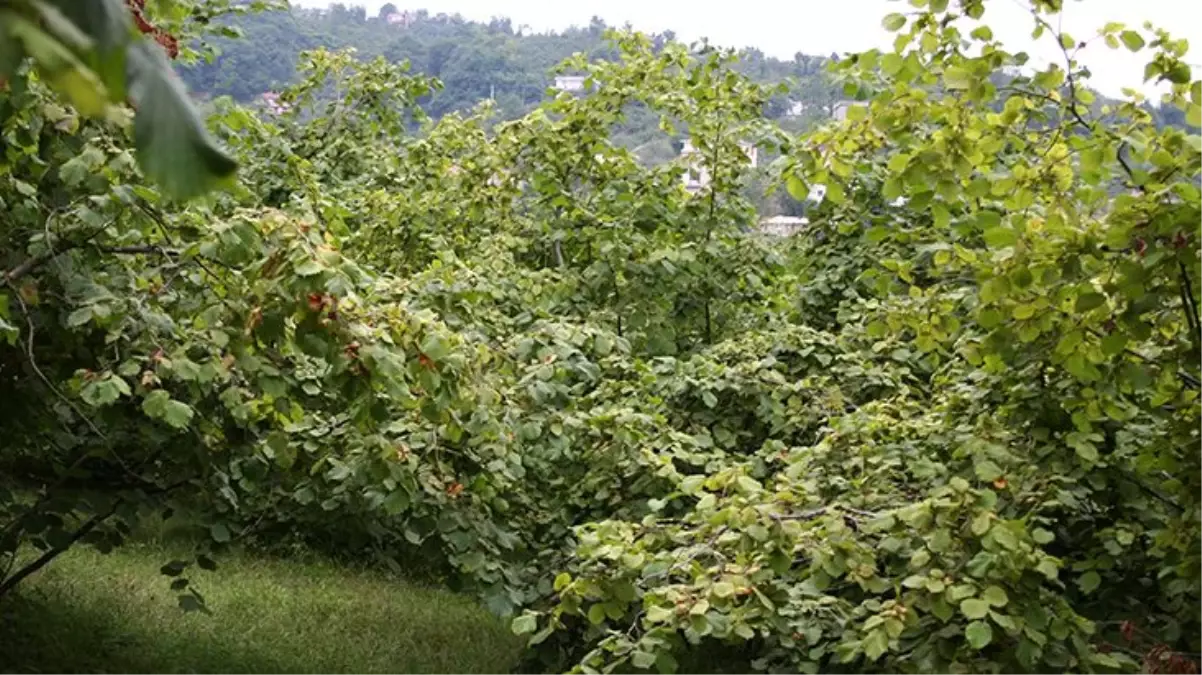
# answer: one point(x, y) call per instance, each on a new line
point(782, 27)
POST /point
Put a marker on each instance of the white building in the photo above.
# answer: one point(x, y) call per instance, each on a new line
point(272, 103)
point(783, 226)
point(405, 19)
point(796, 109)
point(570, 82)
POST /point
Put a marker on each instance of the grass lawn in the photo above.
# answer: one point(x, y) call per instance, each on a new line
point(88, 612)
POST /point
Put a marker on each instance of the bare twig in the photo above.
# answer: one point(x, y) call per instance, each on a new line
point(44, 559)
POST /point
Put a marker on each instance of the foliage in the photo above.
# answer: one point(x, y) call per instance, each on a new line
point(475, 61)
point(952, 427)
point(92, 53)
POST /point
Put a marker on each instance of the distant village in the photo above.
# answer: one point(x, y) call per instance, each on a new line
point(696, 177)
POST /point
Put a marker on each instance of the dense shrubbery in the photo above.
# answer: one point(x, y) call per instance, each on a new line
point(958, 433)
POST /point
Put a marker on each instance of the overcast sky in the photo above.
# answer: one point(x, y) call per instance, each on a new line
point(783, 27)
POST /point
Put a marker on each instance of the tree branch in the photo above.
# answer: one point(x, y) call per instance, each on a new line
point(37, 261)
point(54, 552)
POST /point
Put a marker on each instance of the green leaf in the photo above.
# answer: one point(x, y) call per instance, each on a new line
point(996, 596)
point(526, 623)
point(974, 608)
point(282, 450)
point(691, 484)
point(99, 30)
point(659, 614)
point(1090, 301)
point(1042, 536)
point(987, 470)
point(174, 568)
point(1193, 115)
point(1000, 237)
point(891, 64)
point(174, 148)
point(396, 502)
point(1048, 569)
point(1089, 582)
point(562, 580)
point(62, 69)
point(309, 268)
point(876, 643)
point(834, 193)
point(796, 187)
point(603, 344)
point(206, 563)
point(219, 532)
point(1133, 40)
point(723, 589)
point(596, 614)
point(80, 316)
point(435, 347)
point(155, 403)
point(979, 634)
point(641, 659)
point(103, 390)
point(893, 22)
point(955, 77)
point(177, 414)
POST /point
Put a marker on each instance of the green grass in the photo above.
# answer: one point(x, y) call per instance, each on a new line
point(88, 612)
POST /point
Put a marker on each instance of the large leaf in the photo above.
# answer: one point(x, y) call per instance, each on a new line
point(107, 24)
point(62, 69)
point(174, 148)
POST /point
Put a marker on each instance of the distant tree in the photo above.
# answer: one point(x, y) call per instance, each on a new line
point(474, 60)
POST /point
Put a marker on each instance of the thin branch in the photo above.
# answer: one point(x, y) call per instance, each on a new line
point(42, 376)
point(1191, 305)
point(37, 261)
point(54, 552)
point(145, 249)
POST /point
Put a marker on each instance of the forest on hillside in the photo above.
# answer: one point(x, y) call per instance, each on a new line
point(258, 53)
point(950, 426)
point(473, 61)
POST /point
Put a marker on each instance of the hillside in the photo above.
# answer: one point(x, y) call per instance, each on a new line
point(474, 61)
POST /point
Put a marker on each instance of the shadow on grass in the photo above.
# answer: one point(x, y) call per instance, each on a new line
point(113, 613)
point(47, 635)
